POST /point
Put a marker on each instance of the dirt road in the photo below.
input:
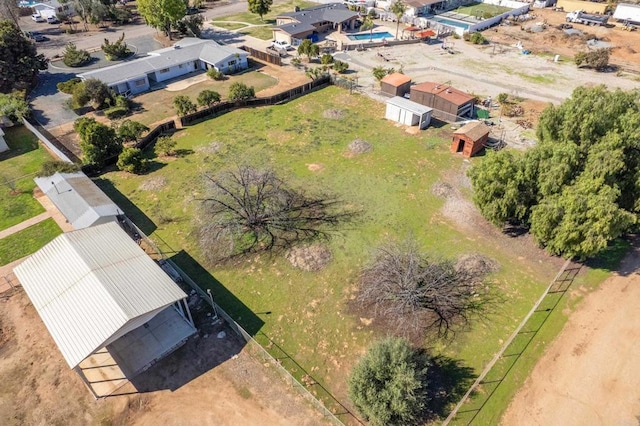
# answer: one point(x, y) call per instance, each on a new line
point(589, 374)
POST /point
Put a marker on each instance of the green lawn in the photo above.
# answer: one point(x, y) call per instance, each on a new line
point(306, 314)
point(482, 10)
point(17, 168)
point(228, 25)
point(27, 241)
point(158, 105)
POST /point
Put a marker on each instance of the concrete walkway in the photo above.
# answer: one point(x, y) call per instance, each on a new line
point(23, 225)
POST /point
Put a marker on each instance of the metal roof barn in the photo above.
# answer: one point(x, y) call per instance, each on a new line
point(80, 200)
point(93, 286)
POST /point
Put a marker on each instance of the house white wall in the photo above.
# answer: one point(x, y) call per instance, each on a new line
point(134, 87)
point(232, 64)
point(178, 70)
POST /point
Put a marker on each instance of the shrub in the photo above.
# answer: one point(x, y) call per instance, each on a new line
point(165, 145)
point(503, 98)
point(326, 59)
point(130, 131)
point(131, 160)
point(477, 38)
point(296, 62)
point(49, 168)
point(97, 141)
point(116, 50)
point(68, 86)
point(184, 105)
point(79, 97)
point(597, 59)
point(74, 57)
point(208, 98)
point(340, 66)
point(98, 92)
point(215, 74)
point(388, 385)
point(116, 112)
point(239, 91)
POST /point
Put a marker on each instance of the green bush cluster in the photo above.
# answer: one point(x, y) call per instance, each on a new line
point(74, 57)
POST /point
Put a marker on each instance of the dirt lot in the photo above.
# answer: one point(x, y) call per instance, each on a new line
point(626, 45)
point(207, 381)
point(589, 374)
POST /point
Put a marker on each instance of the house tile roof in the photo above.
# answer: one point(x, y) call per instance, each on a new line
point(475, 130)
point(188, 49)
point(444, 91)
point(396, 79)
point(336, 13)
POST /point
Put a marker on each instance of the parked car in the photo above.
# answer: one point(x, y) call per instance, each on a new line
point(281, 44)
point(37, 18)
point(39, 37)
point(191, 10)
point(52, 20)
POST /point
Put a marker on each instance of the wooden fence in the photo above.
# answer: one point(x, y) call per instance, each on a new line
point(224, 107)
point(270, 58)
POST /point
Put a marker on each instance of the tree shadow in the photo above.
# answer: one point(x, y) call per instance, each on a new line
point(620, 256)
point(447, 381)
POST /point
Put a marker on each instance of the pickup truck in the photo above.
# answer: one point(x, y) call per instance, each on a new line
point(281, 44)
point(579, 17)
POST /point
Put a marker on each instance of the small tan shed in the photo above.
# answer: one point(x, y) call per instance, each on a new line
point(470, 138)
point(395, 84)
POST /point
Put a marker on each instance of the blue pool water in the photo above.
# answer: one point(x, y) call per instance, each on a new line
point(27, 3)
point(374, 36)
point(451, 22)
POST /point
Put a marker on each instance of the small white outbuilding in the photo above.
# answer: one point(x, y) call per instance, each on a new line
point(407, 112)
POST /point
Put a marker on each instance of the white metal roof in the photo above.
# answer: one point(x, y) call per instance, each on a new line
point(92, 286)
point(186, 50)
point(408, 105)
point(79, 199)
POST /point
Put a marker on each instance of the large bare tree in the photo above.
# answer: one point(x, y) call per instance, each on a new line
point(249, 209)
point(409, 293)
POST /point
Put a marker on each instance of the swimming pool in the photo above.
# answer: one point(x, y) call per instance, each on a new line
point(27, 3)
point(451, 22)
point(374, 36)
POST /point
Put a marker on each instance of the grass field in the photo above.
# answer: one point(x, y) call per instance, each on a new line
point(265, 32)
point(482, 10)
point(27, 241)
point(17, 168)
point(158, 105)
point(306, 314)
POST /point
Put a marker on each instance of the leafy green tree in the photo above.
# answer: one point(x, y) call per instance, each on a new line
point(388, 385)
point(132, 160)
point(130, 131)
point(165, 145)
point(97, 141)
point(191, 26)
point(308, 48)
point(98, 92)
point(116, 50)
point(69, 85)
point(208, 98)
point(184, 105)
point(13, 106)
point(260, 7)
point(597, 59)
point(398, 8)
point(579, 187)
point(239, 91)
point(74, 57)
point(79, 96)
point(19, 60)
point(162, 14)
point(326, 59)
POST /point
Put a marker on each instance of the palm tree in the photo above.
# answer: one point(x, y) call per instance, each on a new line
point(398, 8)
point(367, 24)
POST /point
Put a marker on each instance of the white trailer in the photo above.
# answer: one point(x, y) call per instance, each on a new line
point(627, 13)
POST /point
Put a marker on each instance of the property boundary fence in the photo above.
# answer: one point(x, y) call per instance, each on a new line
point(50, 141)
point(224, 107)
point(260, 353)
point(557, 288)
point(263, 56)
point(368, 44)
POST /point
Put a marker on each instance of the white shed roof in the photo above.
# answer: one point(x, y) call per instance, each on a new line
point(92, 286)
point(409, 105)
point(79, 199)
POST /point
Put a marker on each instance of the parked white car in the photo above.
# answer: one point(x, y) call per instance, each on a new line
point(37, 18)
point(281, 44)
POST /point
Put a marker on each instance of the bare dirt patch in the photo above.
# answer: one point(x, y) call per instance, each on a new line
point(589, 374)
point(309, 258)
point(207, 381)
point(155, 183)
point(333, 114)
point(212, 148)
point(315, 167)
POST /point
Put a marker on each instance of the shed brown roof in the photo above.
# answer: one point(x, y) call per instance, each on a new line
point(396, 79)
point(444, 91)
point(475, 130)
